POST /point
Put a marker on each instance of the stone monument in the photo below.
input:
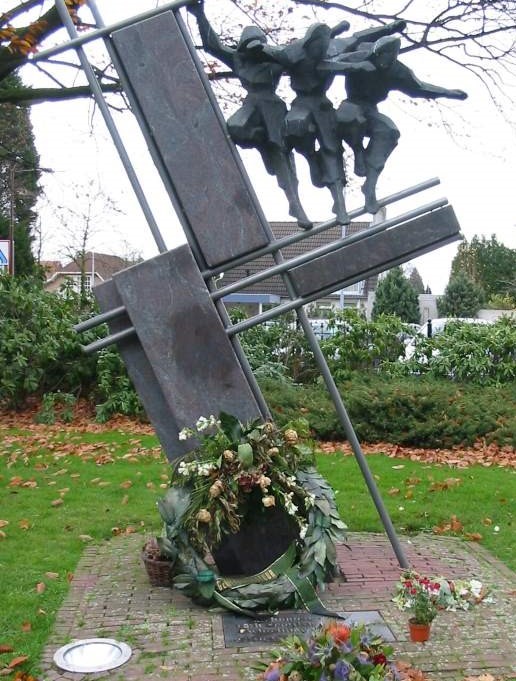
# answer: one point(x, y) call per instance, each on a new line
point(166, 314)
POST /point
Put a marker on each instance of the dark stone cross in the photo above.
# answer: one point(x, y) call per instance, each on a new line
point(170, 327)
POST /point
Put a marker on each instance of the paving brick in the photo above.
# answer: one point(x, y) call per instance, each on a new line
point(172, 638)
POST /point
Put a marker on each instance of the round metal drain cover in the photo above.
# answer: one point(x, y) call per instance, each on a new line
point(92, 655)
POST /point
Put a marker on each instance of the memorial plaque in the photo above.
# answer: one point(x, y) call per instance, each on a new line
point(242, 631)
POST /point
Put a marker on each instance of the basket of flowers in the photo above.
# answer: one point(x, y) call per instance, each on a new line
point(158, 561)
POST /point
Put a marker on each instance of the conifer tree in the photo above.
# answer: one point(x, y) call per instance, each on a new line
point(18, 181)
point(416, 281)
point(462, 297)
point(395, 295)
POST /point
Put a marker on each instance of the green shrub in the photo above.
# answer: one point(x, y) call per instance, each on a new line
point(359, 345)
point(114, 387)
point(56, 406)
point(477, 353)
point(279, 348)
point(410, 411)
point(39, 350)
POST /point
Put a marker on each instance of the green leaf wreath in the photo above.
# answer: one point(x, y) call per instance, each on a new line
point(235, 472)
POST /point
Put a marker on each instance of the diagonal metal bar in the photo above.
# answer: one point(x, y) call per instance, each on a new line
point(299, 301)
point(78, 41)
point(108, 119)
point(108, 340)
point(345, 420)
point(276, 244)
point(323, 250)
point(144, 127)
point(99, 319)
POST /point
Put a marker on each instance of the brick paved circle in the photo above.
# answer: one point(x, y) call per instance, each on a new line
point(171, 638)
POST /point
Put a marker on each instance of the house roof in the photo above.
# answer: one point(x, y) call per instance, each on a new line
point(50, 266)
point(274, 285)
point(102, 264)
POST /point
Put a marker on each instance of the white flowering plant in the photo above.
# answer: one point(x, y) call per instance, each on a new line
point(239, 472)
point(424, 596)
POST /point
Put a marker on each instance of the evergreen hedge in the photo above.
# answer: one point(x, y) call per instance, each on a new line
point(464, 392)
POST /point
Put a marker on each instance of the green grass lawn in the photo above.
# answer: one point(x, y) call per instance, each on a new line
point(59, 492)
point(475, 503)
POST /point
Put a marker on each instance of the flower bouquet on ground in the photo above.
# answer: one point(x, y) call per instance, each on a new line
point(333, 652)
point(241, 491)
point(425, 596)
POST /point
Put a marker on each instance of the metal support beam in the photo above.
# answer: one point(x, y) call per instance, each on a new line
point(92, 322)
point(108, 340)
point(324, 250)
point(345, 421)
point(276, 244)
point(78, 41)
point(108, 119)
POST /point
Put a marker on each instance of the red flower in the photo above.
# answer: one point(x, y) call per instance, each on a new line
point(339, 632)
point(379, 658)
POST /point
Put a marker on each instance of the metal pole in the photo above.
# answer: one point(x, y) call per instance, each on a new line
point(108, 119)
point(149, 138)
point(324, 250)
point(99, 319)
point(109, 340)
point(346, 423)
point(105, 30)
point(306, 234)
point(341, 292)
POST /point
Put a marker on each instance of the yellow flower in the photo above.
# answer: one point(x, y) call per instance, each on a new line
point(216, 489)
point(273, 451)
point(291, 436)
point(269, 500)
point(228, 455)
point(204, 516)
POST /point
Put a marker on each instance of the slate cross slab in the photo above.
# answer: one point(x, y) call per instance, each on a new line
point(198, 163)
point(180, 359)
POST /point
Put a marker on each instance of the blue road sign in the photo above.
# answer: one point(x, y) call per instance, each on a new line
point(4, 254)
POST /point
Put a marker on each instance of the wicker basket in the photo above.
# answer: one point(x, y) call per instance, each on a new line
point(158, 570)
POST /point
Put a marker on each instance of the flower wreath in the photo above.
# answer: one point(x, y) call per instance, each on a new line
point(234, 473)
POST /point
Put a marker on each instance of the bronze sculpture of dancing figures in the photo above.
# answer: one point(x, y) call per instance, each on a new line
point(258, 123)
point(358, 116)
point(311, 124)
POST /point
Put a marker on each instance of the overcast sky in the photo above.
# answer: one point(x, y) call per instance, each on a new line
point(476, 163)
